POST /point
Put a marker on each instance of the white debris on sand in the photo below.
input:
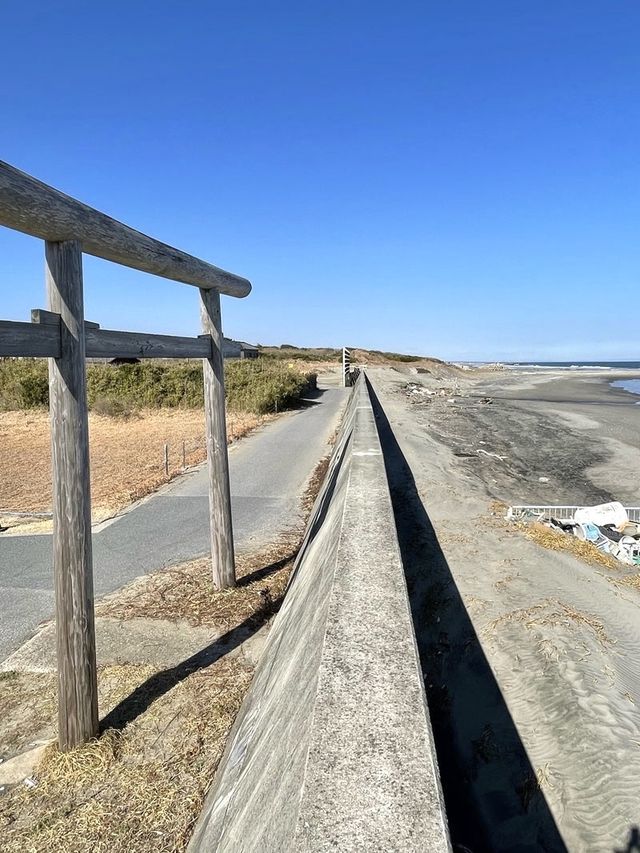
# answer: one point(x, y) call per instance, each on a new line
point(611, 527)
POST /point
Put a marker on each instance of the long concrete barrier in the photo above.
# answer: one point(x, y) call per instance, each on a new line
point(332, 748)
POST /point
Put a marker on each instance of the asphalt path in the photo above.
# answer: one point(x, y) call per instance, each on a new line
point(268, 470)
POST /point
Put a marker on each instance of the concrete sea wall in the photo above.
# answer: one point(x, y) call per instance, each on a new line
point(332, 749)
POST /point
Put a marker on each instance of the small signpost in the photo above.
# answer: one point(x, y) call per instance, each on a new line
point(346, 367)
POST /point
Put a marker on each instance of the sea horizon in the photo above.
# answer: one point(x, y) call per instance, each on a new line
point(579, 365)
point(596, 364)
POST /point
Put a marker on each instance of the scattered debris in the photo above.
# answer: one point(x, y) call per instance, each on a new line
point(611, 528)
point(493, 455)
point(420, 394)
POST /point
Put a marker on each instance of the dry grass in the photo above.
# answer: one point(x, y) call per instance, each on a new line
point(136, 789)
point(552, 613)
point(630, 580)
point(498, 508)
point(557, 541)
point(185, 592)
point(27, 707)
point(316, 480)
point(141, 785)
point(127, 457)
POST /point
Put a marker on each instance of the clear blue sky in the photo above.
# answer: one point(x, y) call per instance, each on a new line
point(456, 178)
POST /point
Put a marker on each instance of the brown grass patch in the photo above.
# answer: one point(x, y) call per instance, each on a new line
point(315, 482)
point(127, 457)
point(498, 508)
point(630, 580)
point(134, 790)
point(141, 785)
point(557, 541)
point(551, 613)
point(186, 592)
point(27, 708)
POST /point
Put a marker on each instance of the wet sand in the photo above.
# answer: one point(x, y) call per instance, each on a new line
point(531, 657)
point(569, 428)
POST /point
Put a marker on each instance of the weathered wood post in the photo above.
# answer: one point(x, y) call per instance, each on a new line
point(72, 559)
point(222, 556)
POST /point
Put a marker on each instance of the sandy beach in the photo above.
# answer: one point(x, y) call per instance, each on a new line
point(531, 656)
point(570, 428)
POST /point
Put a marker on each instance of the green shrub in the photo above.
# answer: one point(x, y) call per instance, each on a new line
point(113, 407)
point(263, 386)
point(24, 383)
point(149, 385)
point(260, 386)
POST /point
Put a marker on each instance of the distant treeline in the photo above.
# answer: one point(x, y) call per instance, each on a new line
point(259, 386)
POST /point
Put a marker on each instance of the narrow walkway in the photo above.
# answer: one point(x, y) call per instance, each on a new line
point(269, 471)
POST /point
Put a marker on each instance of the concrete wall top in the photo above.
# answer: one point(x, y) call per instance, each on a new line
point(332, 749)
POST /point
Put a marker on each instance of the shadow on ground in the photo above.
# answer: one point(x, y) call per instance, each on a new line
point(492, 796)
point(157, 685)
point(310, 398)
point(162, 682)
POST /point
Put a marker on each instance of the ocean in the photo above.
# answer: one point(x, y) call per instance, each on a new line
point(631, 385)
point(578, 365)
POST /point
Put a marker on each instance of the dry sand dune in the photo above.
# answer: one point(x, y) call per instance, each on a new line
point(531, 656)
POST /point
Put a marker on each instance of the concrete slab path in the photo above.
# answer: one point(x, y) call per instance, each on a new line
point(269, 471)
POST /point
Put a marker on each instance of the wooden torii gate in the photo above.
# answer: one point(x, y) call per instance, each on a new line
point(60, 333)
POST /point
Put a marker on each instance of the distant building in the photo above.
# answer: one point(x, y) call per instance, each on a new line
point(239, 349)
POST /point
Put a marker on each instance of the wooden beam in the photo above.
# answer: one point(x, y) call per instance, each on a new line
point(50, 318)
point(30, 206)
point(104, 343)
point(72, 557)
point(41, 339)
point(222, 555)
point(26, 340)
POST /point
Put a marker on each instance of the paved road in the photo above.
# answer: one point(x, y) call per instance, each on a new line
point(269, 471)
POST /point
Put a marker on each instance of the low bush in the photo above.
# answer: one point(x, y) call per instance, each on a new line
point(287, 352)
point(148, 385)
point(24, 383)
point(259, 386)
point(113, 407)
point(264, 386)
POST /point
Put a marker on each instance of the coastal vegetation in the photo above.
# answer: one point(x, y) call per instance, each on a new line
point(259, 387)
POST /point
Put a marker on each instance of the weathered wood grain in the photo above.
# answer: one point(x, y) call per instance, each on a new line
point(30, 206)
point(39, 315)
point(27, 340)
point(104, 343)
point(72, 556)
point(42, 340)
point(222, 552)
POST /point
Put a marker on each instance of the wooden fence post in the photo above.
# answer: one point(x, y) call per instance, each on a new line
point(72, 560)
point(222, 556)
